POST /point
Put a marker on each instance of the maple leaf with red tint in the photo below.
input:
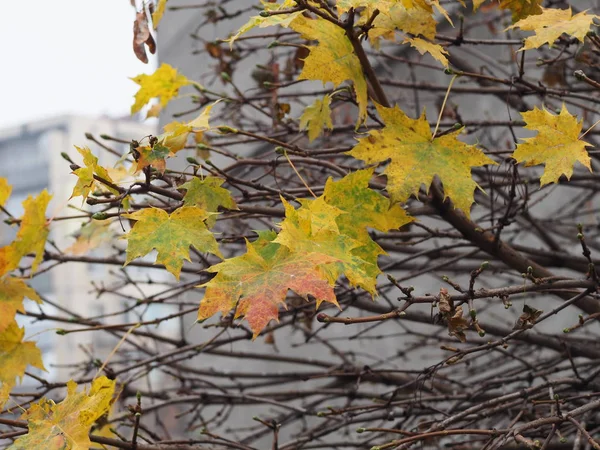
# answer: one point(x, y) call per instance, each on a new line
point(256, 283)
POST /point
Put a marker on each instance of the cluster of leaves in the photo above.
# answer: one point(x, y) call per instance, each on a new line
point(324, 238)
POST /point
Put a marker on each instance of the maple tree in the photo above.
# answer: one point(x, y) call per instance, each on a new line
point(350, 198)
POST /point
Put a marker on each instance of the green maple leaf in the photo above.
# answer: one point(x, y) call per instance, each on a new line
point(256, 283)
point(208, 194)
point(171, 235)
point(365, 207)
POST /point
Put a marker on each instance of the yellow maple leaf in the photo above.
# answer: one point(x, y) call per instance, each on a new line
point(12, 293)
point(317, 117)
point(85, 175)
point(164, 83)
point(32, 234)
point(170, 234)
point(557, 144)
point(519, 8)
point(416, 157)
point(176, 133)
point(283, 20)
point(333, 59)
point(552, 23)
point(66, 425)
point(15, 356)
point(437, 51)
point(158, 12)
point(5, 190)
point(154, 111)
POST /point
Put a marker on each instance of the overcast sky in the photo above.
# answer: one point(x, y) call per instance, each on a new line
point(66, 56)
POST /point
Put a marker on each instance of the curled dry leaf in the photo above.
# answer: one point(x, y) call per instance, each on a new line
point(457, 324)
point(142, 36)
point(528, 318)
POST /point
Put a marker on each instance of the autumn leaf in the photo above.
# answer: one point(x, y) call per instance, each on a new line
point(317, 117)
point(259, 21)
point(66, 425)
point(436, 50)
point(528, 318)
point(90, 236)
point(171, 235)
point(142, 37)
point(453, 316)
point(154, 155)
point(164, 83)
point(364, 207)
point(416, 157)
point(12, 293)
point(208, 195)
point(313, 228)
point(15, 356)
point(154, 111)
point(394, 15)
point(176, 133)
point(158, 12)
point(557, 144)
point(32, 234)
point(9, 259)
point(333, 59)
point(85, 175)
point(520, 8)
point(5, 190)
point(256, 283)
point(551, 24)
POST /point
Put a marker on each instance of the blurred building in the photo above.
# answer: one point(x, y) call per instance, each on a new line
point(30, 158)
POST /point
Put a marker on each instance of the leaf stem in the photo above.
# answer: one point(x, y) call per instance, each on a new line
point(437, 125)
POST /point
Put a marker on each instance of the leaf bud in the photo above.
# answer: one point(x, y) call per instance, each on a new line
point(566, 330)
point(61, 331)
point(192, 160)
point(360, 430)
point(66, 157)
point(89, 136)
point(227, 130)
point(105, 136)
point(273, 44)
point(264, 14)
point(484, 265)
point(323, 318)
point(201, 146)
point(100, 216)
point(225, 77)
point(280, 150)
point(473, 313)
